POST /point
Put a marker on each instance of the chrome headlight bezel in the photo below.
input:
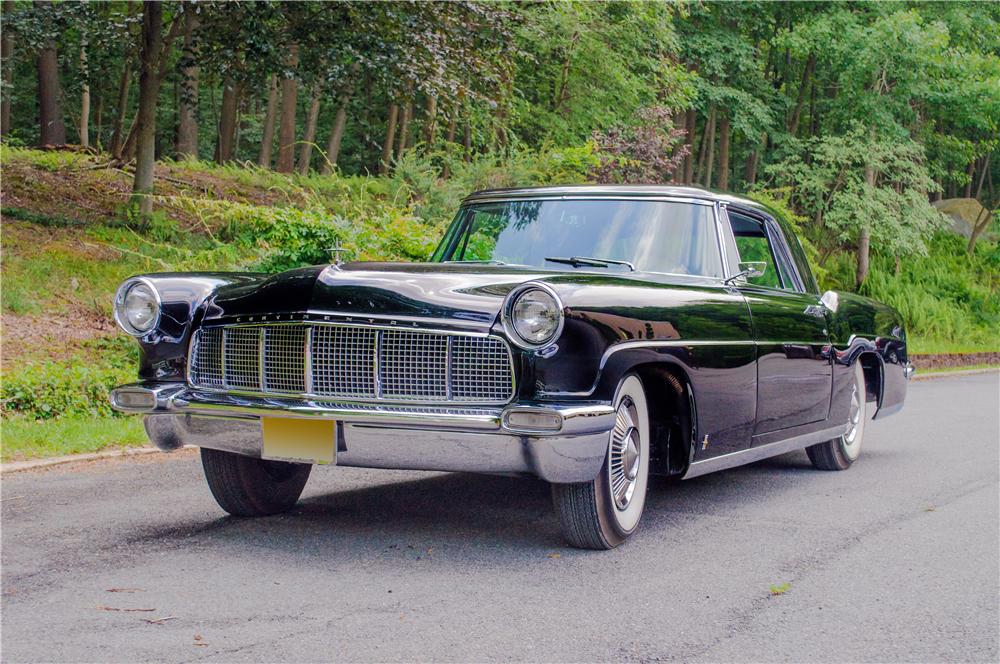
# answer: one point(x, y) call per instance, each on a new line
point(121, 315)
point(507, 315)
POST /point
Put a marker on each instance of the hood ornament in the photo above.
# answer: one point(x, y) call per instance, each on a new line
point(335, 252)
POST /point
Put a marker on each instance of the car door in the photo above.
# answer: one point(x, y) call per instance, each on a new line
point(794, 368)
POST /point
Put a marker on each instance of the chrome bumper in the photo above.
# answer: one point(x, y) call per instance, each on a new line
point(558, 442)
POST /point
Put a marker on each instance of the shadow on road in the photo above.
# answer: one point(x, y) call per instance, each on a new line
point(481, 511)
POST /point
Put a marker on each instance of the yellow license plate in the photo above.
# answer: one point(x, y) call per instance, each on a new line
point(301, 440)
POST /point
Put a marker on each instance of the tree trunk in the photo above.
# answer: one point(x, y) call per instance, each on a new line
point(267, 139)
point(390, 137)
point(691, 124)
point(117, 133)
point(149, 87)
point(969, 172)
point(452, 125)
point(982, 221)
point(84, 127)
point(404, 125)
point(793, 122)
point(752, 160)
point(710, 153)
point(286, 130)
point(336, 135)
point(864, 237)
point(187, 111)
point(467, 140)
point(99, 119)
point(7, 60)
point(305, 150)
point(227, 119)
point(52, 131)
point(724, 153)
point(430, 123)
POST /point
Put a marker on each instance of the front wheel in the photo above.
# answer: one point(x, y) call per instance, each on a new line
point(602, 513)
point(247, 486)
point(841, 452)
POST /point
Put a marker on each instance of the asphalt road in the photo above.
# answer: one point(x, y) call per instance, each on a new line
point(895, 560)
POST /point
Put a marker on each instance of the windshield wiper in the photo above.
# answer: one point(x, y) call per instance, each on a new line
point(578, 261)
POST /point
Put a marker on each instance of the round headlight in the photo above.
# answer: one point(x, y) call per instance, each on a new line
point(137, 307)
point(533, 316)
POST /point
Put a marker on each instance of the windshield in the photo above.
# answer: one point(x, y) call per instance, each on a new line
point(652, 236)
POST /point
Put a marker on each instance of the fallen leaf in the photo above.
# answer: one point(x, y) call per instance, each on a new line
point(114, 608)
point(554, 555)
point(929, 509)
point(158, 621)
point(124, 590)
point(780, 589)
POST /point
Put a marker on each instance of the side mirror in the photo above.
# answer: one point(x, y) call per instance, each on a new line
point(753, 269)
point(748, 270)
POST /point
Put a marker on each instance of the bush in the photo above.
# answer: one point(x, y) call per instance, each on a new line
point(50, 389)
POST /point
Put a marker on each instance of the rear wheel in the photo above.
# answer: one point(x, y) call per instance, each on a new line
point(246, 486)
point(602, 513)
point(841, 452)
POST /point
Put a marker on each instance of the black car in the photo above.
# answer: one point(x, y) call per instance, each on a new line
point(589, 336)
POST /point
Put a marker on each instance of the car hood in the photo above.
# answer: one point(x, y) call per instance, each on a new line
point(449, 294)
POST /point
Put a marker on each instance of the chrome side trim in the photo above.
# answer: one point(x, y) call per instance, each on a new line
point(760, 452)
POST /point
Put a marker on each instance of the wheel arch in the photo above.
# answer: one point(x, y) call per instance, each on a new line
point(874, 370)
point(672, 414)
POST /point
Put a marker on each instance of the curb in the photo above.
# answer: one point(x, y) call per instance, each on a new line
point(34, 464)
point(953, 374)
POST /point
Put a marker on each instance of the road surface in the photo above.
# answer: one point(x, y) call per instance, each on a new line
point(894, 560)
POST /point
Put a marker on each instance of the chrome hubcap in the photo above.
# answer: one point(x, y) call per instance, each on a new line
point(625, 456)
point(852, 427)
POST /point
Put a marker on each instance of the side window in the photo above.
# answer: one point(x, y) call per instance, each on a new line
point(753, 244)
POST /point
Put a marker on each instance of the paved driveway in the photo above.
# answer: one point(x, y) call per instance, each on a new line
point(894, 560)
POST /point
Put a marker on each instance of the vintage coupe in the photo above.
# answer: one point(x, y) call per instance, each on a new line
point(589, 336)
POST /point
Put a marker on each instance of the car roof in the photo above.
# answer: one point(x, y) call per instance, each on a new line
point(613, 190)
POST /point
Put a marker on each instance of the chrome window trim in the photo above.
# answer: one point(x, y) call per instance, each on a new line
point(663, 198)
point(189, 379)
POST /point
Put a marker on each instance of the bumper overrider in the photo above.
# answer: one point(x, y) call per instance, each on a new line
point(558, 442)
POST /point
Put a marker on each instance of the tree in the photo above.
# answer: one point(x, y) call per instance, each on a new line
point(52, 129)
point(7, 62)
point(862, 190)
point(286, 128)
point(154, 48)
point(187, 111)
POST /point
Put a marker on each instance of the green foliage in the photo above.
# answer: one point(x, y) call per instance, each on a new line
point(853, 181)
point(949, 300)
point(50, 389)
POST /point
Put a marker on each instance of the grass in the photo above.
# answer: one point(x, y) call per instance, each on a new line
point(22, 438)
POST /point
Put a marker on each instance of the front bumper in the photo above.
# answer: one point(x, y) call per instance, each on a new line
point(558, 442)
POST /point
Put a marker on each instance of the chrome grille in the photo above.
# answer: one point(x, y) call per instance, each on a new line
point(284, 358)
point(343, 361)
point(414, 365)
point(241, 357)
point(206, 360)
point(353, 362)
